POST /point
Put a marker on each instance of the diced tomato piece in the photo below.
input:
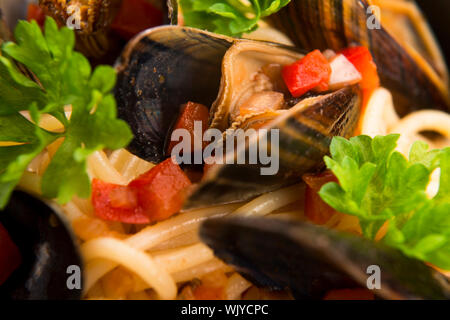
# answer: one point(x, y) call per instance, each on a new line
point(310, 72)
point(212, 287)
point(123, 198)
point(209, 293)
point(350, 294)
point(160, 191)
point(154, 196)
point(191, 112)
point(316, 209)
point(10, 257)
point(36, 13)
point(105, 209)
point(135, 16)
point(362, 59)
point(322, 87)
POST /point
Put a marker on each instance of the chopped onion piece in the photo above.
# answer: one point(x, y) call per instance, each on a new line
point(343, 73)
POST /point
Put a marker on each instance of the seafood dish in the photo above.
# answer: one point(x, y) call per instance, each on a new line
point(224, 150)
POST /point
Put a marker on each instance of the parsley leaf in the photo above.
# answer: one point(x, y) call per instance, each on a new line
point(64, 77)
point(378, 184)
point(229, 17)
point(14, 159)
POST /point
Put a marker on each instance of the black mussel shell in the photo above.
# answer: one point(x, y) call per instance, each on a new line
point(47, 248)
point(160, 70)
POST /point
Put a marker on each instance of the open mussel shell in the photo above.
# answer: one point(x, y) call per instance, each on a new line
point(305, 133)
point(330, 24)
point(92, 27)
point(160, 70)
point(165, 67)
point(47, 247)
point(94, 36)
point(311, 260)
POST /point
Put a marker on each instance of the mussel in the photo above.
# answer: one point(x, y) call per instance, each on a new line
point(48, 249)
point(160, 70)
point(90, 18)
point(165, 67)
point(311, 260)
point(415, 73)
point(305, 133)
point(92, 21)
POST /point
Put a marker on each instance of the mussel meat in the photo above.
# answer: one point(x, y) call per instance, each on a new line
point(311, 260)
point(48, 249)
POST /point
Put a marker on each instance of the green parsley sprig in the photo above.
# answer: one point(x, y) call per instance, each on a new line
point(378, 184)
point(64, 77)
point(228, 17)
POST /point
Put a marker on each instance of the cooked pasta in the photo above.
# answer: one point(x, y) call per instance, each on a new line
point(161, 256)
point(133, 241)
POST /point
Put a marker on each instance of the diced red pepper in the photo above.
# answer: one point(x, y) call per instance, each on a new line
point(350, 294)
point(106, 207)
point(135, 16)
point(154, 196)
point(316, 209)
point(362, 59)
point(10, 257)
point(209, 293)
point(191, 112)
point(36, 13)
point(311, 72)
point(161, 190)
point(212, 287)
point(123, 198)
